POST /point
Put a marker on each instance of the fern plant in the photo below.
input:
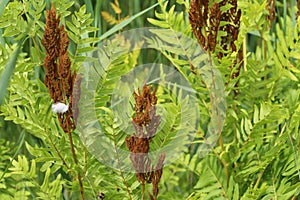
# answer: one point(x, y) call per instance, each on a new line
point(244, 145)
point(243, 165)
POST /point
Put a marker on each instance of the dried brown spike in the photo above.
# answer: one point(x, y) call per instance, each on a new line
point(198, 16)
point(51, 37)
point(214, 22)
point(57, 64)
point(205, 21)
point(156, 176)
point(145, 123)
point(145, 111)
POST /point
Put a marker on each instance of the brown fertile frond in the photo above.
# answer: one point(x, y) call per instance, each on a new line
point(205, 21)
point(145, 111)
point(156, 176)
point(65, 63)
point(59, 78)
point(51, 42)
point(52, 34)
point(214, 23)
point(145, 123)
point(198, 16)
point(57, 64)
point(232, 16)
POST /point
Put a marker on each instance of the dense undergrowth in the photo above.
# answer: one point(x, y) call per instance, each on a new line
point(252, 46)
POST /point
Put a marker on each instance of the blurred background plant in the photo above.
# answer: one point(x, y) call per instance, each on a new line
point(258, 157)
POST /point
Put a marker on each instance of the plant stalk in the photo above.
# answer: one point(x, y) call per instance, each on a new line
point(223, 161)
point(143, 191)
point(76, 162)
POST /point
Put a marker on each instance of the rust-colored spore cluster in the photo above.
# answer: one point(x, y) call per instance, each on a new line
point(205, 21)
point(145, 111)
point(232, 16)
point(59, 78)
point(145, 123)
point(198, 16)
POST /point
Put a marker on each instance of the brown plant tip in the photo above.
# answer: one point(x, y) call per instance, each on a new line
point(271, 9)
point(198, 16)
point(214, 22)
point(206, 21)
point(145, 122)
point(52, 34)
point(145, 113)
point(59, 79)
point(156, 176)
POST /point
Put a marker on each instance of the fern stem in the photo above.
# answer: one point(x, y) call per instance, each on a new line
point(119, 166)
point(219, 128)
point(295, 156)
point(143, 191)
point(58, 153)
point(259, 179)
point(223, 161)
point(80, 185)
point(125, 183)
point(85, 159)
point(76, 162)
point(216, 177)
point(245, 53)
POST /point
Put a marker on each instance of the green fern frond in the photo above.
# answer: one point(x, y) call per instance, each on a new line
point(211, 183)
point(21, 171)
point(80, 30)
point(171, 19)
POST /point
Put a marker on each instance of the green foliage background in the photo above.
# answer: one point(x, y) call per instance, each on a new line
point(258, 159)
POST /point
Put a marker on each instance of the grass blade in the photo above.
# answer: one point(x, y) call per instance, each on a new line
point(3, 4)
point(97, 22)
point(6, 74)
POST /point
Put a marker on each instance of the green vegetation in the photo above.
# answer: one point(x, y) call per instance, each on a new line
point(252, 50)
